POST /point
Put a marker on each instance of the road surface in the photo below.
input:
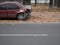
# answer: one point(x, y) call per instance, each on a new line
point(30, 34)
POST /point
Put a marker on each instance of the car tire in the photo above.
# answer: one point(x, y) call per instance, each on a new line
point(20, 17)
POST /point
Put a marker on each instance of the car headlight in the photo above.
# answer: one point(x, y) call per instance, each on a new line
point(21, 11)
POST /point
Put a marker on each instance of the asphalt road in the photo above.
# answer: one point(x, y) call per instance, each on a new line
point(30, 34)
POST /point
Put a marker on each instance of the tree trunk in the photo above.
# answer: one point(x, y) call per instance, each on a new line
point(56, 3)
point(26, 2)
point(35, 2)
point(51, 3)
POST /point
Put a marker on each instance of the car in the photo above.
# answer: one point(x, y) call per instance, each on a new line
point(14, 9)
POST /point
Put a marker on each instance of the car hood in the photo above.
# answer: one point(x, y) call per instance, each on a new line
point(27, 6)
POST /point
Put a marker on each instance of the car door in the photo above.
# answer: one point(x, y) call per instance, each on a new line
point(12, 10)
point(3, 11)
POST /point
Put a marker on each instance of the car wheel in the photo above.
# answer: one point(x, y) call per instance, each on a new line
point(20, 17)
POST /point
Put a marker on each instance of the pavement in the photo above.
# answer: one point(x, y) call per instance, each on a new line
point(30, 34)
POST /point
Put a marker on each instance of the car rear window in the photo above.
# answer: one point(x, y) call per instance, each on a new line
point(12, 6)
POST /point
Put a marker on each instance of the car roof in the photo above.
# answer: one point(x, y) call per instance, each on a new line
point(15, 2)
point(9, 2)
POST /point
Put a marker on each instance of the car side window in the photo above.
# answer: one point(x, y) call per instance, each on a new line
point(12, 6)
point(3, 7)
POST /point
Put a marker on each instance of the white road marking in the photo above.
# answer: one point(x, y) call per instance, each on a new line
point(23, 34)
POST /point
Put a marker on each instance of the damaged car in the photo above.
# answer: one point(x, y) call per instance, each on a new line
point(14, 10)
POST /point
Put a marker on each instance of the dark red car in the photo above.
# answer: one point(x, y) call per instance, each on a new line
point(13, 10)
